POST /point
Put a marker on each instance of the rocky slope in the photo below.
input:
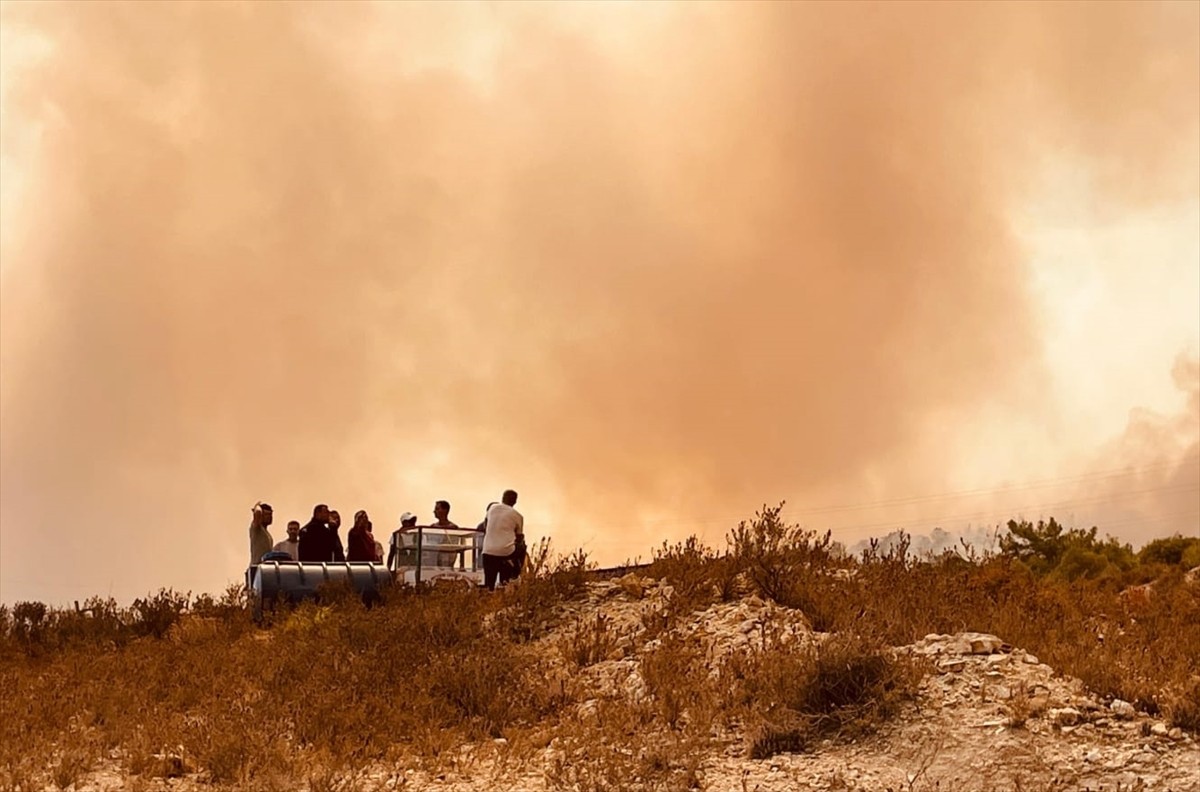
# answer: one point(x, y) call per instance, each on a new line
point(988, 716)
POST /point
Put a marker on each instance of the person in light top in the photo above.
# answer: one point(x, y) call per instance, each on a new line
point(261, 516)
point(291, 545)
point(408, 522)
point(503, 536)
point(441, 519)
point(441, 515)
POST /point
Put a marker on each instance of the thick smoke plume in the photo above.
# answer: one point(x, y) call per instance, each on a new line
point(641, 264)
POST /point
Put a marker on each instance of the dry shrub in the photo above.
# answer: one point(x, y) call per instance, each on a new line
point(589, 641)
point(660, 619)
point(225, 746)
point(155, 615)
point(1085, 630)
point(1134, 651)
point(27, 628)
point(1183, 705)
point(697, 574)
point(792, 734)
point(791, 566)
point(17, 773)
point(620, 748)
point(408, 681)
point(1020, 706)
point(333, 677)
point(532, 602)
point(677, 677)
point(327, 772)
point(70, 766)
point(487, 686)
point(846, 685)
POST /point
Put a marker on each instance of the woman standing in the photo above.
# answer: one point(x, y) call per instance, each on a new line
point(360, 542)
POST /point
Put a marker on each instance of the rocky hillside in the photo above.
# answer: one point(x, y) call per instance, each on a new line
point(1062, 663)
point(983, 715)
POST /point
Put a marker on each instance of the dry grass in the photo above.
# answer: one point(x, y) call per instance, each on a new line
point(1183, 704)
point(1021, 706)
point(846, 686)
point(179, 685)
point(588, 642)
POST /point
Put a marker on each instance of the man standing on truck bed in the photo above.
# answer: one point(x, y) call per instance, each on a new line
point(505, 530)
point(291, 545)
point(260, 538)
point(318, 542)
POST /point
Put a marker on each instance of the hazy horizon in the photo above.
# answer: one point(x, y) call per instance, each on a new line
point(653, 266)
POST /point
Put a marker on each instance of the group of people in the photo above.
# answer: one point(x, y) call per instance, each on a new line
point(502, 530)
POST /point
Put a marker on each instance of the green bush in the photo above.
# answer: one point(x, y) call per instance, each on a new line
point(1079, 563)
point(1047, 548)
point(1171, 550)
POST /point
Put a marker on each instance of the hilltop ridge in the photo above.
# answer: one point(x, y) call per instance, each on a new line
point(779, 665)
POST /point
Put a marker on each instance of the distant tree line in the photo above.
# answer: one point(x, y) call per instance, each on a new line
point(1048, 549)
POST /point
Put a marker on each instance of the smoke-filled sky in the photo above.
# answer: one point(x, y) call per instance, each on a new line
point(653, 266)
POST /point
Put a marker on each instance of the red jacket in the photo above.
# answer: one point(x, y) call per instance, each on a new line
point(360, 545)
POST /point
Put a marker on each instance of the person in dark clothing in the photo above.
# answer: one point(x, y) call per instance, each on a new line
point(335, 525)
point(481, 529)
point(318, 541)
point(360, 542)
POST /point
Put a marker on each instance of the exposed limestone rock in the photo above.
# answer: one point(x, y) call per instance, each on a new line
point(988, 716)
point(1122, 709)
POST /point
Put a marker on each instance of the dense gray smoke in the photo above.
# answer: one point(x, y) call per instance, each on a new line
point(270, 251)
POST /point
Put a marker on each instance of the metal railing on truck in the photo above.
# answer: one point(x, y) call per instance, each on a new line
point(422, 554)
point(432, 553)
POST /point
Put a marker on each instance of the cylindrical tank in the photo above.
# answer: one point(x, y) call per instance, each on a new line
point(292, 581)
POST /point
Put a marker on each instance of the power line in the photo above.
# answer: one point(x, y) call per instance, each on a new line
point(1153, 521)
point(995, 490)
point(1037, 484)
point(1113, 498)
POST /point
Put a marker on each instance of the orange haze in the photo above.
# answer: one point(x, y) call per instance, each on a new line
point(649, 265)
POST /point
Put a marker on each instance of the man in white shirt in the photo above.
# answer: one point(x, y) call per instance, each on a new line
point(291, 545)
point(505, 530)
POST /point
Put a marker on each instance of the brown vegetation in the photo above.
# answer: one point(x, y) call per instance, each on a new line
point(174, 685)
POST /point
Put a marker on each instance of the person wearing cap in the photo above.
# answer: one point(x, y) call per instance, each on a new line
point(504, 536)
point(408, 522)
point(261, 542)
point(360, 543)
point(291, 545)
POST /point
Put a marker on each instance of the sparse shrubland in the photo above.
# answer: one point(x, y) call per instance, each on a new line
point(176, 685)
point(844, 686)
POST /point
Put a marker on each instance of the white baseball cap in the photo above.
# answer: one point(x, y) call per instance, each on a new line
point(406, 517)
